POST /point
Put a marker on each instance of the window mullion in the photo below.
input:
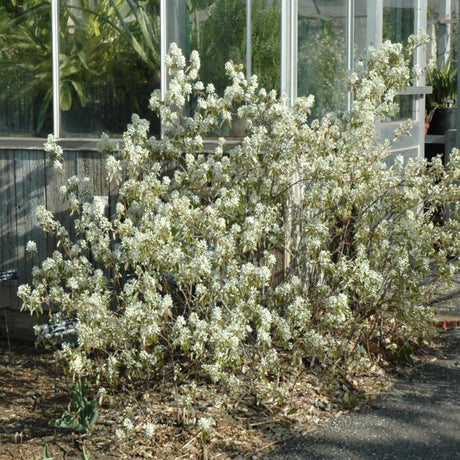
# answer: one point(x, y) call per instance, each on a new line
point(248, 39)
point(350, 45)
point(289, 49)
point(55, 67)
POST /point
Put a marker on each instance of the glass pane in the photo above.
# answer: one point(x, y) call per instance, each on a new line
point(443, 35)
point(398, 25)
point(322, 53)
point(25, 68)
point(109, 64)
point(266, 43)
point(217, 29)
point(218, 32)
point(362, 38)
point(398, 20)
point(405, 108)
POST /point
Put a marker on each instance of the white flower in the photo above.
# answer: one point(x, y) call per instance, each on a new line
point(128, 424)
point(149, 430)
point(31, 246)
point(206, 424)
point(76, 364)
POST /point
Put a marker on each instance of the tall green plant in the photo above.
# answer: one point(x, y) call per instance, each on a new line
point(84, 414)
point(108, 44)
point(444, 83)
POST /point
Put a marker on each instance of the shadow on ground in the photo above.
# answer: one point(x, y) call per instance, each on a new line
point(419, 420)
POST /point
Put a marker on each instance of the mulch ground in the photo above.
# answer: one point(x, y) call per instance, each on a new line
point(34, 392)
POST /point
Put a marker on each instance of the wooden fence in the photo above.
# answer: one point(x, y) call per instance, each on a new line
point(28, 180)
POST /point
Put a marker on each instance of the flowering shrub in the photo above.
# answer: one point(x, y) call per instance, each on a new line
point(186, 269)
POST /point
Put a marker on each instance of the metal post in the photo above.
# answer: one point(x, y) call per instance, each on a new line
point(163, 47)
point(294, 48)
point(350, 45)
point(248, 39)
point(457, 140)
point(445, 32)
point(163, 53)
point(55, 67)
point(284, 36)
point(289, 49)
point(420, 59)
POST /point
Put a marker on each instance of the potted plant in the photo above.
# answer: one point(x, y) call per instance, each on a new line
point(441, 104)
point(428, 118)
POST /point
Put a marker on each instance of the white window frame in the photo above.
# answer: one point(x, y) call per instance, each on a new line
point(289, 9)
point(288, 47)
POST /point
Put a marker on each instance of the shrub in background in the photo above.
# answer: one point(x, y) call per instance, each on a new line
point(183, 271)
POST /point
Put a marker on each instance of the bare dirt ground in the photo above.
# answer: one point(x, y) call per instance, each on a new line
point(33, 392)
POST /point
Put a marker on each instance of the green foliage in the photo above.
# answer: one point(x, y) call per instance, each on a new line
point(128, 67)
point(305, 243)
point(444, 83)
point(25, 58)
point(85, 455)
point(222, 37)
point(84, 415)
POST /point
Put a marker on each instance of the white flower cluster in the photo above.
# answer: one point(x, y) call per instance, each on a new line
point(55, 151)
point(299, 241)
point(206, 424)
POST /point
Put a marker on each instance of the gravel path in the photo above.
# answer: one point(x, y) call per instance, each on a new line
point(419, 420)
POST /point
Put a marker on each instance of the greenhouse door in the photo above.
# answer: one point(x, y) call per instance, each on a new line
point(396, 20)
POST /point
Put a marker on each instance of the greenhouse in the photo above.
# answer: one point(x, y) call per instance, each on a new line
point(80, 68)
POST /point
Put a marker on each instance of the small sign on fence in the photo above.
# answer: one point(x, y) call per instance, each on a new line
point(7, 275)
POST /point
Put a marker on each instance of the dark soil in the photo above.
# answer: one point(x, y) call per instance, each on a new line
point(32, 393)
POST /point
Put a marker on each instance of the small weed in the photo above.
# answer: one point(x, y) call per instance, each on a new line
point(84, 416)
point(85, 454)
point(46, 454)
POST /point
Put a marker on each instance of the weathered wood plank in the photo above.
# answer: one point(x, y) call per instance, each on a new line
point(54, 200)
point(8, 246)
point(37, 198)
point(30, 193)
point(27, 180)
point(8, 290)
point(21, 165)
point(91, 164)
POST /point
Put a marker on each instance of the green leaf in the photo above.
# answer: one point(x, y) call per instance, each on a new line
point(44, 108)
point(66, 96)
point(80, 93)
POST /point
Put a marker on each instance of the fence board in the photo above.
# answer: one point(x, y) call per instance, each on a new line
point(54, 200)
point(91, 164)
point(30, 193)
point(8, 251)
point(28, 180)
point(37, 197)
point(20, 189)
